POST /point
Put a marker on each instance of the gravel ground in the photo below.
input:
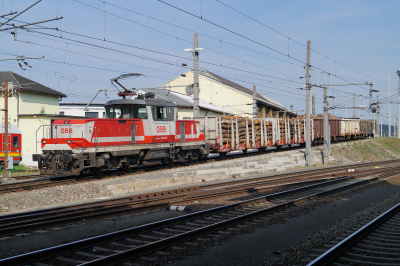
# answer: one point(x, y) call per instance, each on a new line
point(337, 232)
point(222, 252)
point(288, 238)
point(93, 190)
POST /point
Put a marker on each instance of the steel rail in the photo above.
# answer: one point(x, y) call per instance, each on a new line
point(40, 218)
point(161, 244)
point(60, 215)
point(66, 179)
point(113, 259)
point(333, 253)
point(37, 219)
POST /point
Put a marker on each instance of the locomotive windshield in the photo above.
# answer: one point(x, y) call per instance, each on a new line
point(163, 113)
point(135, 111)
point(138, 111)
point(113, 112)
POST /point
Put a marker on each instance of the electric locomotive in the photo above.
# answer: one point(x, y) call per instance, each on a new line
point(142, 131)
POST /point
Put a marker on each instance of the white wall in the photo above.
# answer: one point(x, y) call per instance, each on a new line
point(77, 110)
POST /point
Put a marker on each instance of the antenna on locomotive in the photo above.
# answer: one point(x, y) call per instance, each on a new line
point(126, 91)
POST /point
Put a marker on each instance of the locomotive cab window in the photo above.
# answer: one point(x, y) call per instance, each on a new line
point(114, 112)
point(15, 142)
point(162, 113)
point(138, 111)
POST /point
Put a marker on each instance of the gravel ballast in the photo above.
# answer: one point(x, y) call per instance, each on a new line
point(289, 240)
point(82, 192)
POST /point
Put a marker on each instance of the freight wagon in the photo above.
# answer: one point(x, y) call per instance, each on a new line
point(318, 124)
point(231, 133)
point(350, 128)
point(366, 128)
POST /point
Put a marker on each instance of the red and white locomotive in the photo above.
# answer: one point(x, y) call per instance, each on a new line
point(142, 131)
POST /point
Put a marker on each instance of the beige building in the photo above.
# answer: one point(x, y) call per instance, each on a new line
point(228, 95)
point(32, 106)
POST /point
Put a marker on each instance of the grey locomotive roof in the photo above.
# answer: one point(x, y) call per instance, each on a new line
point(24, 84)
point(147, 101)
point(182, 100)
point(166, 95)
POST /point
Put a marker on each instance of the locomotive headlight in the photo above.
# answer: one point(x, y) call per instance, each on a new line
point(68, 141)
point(44, 142)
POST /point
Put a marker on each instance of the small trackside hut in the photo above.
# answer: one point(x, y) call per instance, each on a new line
point(142, 131)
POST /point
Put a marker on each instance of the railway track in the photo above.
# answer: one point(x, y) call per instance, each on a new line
point(49, 217)
point(143, 244)
point(376, 243)
point(53, 181)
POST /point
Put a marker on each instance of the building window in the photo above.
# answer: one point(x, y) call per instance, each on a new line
point(61, 113)
point(92, 114)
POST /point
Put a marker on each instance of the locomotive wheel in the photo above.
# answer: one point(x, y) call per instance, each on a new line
point(166, 161)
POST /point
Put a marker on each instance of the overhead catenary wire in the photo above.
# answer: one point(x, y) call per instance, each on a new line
point(247, 38)
point(149, 49)
point(246, 76)
point(290, 38)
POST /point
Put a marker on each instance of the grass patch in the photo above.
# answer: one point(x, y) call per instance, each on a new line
point(20, 170)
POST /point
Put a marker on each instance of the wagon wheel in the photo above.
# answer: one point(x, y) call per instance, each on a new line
point(222, 154)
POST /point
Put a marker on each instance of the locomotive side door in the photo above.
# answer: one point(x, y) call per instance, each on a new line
point(161, 127)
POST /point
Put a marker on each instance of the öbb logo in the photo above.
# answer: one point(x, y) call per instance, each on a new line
point(161, 129)
point(66, 130)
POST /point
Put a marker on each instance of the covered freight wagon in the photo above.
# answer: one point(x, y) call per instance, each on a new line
point(350, 128)
point(335, 128)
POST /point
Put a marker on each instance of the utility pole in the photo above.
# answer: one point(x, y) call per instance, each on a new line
point(254, 102)
point(345, 111)
point(313, 104)
point(308, 106)
point(354, 106)
point(326, 134)
point(370, 100)
point(378, 110)
point(195, 52)
point(398, 108)
point(6, 87)
point(390, 126)
point(196, 76)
